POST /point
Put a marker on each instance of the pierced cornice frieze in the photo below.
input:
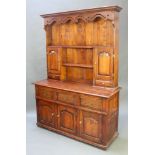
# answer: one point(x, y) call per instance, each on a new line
point(75, 18)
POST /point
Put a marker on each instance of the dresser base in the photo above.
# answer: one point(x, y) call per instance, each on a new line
point(104, 147)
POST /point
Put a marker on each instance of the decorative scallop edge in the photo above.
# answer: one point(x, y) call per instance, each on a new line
point(75, 18)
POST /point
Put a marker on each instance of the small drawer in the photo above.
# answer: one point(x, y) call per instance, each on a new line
point(104, 83)
point(54, 76)
point(92, 102)
point(45, 93)
point(67, 97)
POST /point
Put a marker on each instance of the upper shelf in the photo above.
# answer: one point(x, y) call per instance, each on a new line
point(70, 46)
point(76, 46)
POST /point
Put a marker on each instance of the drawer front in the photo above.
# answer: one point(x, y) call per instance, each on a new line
point(104, 83)
point(67, 97)
point(92, 102)
point(53, 76)
point(45, 93)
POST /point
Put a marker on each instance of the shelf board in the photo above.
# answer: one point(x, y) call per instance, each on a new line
point(70, 46)
point(77, 65)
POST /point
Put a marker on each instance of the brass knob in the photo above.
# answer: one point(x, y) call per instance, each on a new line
point(58, 115)
point(52, 52)
point(106, 54)
point(52, 114)
point(80, 122)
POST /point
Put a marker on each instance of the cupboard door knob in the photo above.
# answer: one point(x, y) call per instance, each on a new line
point(52, 114)
point(80, 122)
point(51, 52)
point(58, 115)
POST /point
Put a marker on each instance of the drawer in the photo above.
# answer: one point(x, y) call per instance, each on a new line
point(67, 97)
point(104, 83)
point(53, 76)
point(92, 102)
point(44, 92)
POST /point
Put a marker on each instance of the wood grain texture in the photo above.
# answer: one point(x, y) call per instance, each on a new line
point(79, 88)
point(80, 98)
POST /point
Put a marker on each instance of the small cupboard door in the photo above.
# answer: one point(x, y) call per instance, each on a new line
point(53, 61)
point(104, 66)
point(91, 126)
point(67, 118)
point(46, 113)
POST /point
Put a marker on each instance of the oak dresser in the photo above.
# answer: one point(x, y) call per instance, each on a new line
point(80, 97)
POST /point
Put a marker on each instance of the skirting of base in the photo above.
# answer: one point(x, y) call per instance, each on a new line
point(101, 146)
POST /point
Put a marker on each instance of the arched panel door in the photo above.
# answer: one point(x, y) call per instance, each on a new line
point(46, 113)
point(53, 62)
point(67, 118)
point(91, 126)
point(104, 66)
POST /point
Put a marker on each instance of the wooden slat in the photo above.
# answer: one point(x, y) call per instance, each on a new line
point(77, 65)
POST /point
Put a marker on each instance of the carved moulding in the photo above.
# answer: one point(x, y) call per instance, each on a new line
point(74, 18)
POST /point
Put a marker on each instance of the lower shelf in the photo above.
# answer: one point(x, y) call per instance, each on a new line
point(77, 65)
point(101, 146)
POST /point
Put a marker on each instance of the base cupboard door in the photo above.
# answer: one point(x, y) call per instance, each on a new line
point(91, 126)
point(67, 119)
point(46, 113)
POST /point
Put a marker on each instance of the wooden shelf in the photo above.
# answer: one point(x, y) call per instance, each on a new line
point(70, 46)
point(78, 46)
point(77, 65)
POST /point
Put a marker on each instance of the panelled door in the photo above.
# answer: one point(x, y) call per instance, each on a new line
point(47, 113)
point(67, 119)
point(91, 126)
point(53, 61)
point(104, 66)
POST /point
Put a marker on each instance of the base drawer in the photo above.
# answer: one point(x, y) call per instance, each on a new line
point(67, 97)
point(45, 93)
point(92, 102)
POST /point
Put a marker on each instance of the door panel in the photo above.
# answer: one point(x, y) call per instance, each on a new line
point(67, 119)
point(53, 60)
point(104, 60)
point(90, 126)
point(104, 66)
point(47, 113)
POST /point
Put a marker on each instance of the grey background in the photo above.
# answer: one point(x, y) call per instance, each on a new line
point(43, 142)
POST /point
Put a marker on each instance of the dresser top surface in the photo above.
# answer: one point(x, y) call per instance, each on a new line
point(105, 8)
point(79, 88)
